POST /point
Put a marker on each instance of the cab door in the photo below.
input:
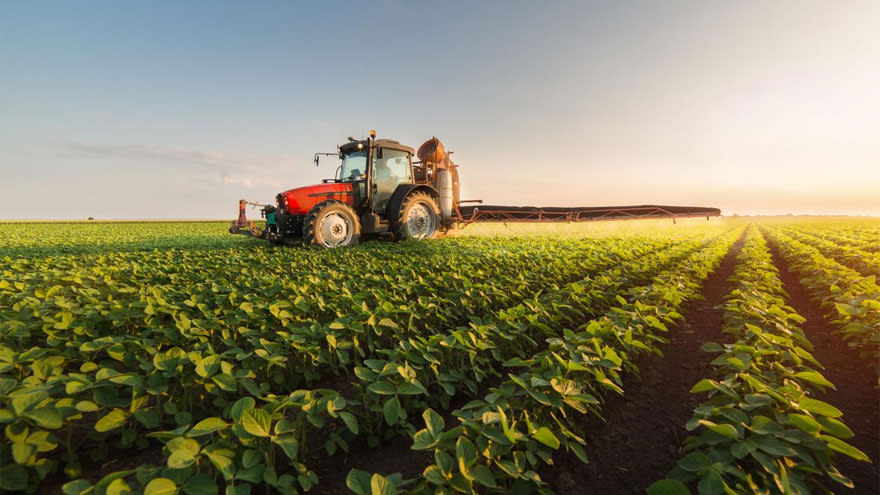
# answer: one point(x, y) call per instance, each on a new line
point(391, 168)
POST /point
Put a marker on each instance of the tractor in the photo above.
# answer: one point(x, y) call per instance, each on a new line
point(378, 190)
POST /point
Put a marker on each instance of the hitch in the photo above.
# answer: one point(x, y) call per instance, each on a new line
point(243, 225)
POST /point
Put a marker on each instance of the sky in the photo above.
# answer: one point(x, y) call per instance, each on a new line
point(178, 109)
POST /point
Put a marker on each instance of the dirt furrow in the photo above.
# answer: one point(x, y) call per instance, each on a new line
point(641, 437)
point(853, 376)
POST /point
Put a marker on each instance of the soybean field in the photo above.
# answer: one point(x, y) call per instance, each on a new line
point(729, 356)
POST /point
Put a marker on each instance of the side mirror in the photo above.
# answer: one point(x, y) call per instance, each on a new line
point(317, 158)
point(379, 153)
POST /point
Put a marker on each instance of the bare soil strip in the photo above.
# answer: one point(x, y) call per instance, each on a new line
point(640, 440)
point(853, 376)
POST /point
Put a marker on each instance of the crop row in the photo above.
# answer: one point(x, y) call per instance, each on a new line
point(501, 441)
point(759, 430)
point(864, 235)
point(75, 381)
point(49, 239)
point(863, 241)
point(865, 262)
point(851, 300)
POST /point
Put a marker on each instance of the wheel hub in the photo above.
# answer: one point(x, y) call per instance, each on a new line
point(336, 230)
point(420, 223)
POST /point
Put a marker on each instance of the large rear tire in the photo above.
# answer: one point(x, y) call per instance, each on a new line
point(331, 224)
point(418, 218)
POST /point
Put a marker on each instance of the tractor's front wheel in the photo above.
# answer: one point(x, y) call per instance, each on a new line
point(419, 217)
point(331, 224)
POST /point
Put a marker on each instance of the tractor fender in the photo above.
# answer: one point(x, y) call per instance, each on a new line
point(400, 194)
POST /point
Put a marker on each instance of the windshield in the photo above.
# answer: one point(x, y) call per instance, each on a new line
point(353, 165)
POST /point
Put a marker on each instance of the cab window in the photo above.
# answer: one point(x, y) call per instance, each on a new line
point(390, 169)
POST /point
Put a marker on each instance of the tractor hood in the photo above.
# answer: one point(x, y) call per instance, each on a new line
point(300, 200)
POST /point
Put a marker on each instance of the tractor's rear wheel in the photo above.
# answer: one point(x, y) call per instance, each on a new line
point(331, 224)
point(419, 217)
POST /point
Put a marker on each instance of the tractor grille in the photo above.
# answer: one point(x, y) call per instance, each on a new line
point(281, 202)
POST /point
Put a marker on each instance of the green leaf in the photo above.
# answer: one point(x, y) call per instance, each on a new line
point(411, 389)
point(160, 486)
point(22, 451)
point(742, 449)
point(466, 453)
point(242, 405)
point(818, 407)
point(695, 462)
point(244, 489)
point(257, 422)
point(223, 460)
point(434, 475)
point(112, 420)
point(206, 426)
point(86, 406)
point(391, 410)
point(846, 309)
point(225, 382)
point(668, 487)
point(183, 452)
point(433, 422)
point(711, 484)
point(736, 363)
point(835, 427)
point(200, 484)
point(13, 477)
point(385, 322)
point(579, 452)
point(704, 385)
point(724, 429)
point(814, 377)
point(844, 448)
point(119, 487)
point(423, 440)
point(483, 476)
point(804, 423)
point(545, 436)
point(17, 432)
point(381, 387)
point(350, 421)
point(288, 444)
point(78, 487)
point(102, 487)
point(711, 347)
point(25, 402)
point(359, 482)
point(381, 486)
point(444, 461)
point(774, 446)
point(46, 417)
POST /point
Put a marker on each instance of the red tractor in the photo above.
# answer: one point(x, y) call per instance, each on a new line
point(377, 190)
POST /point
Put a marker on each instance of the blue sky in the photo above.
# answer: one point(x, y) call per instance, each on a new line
point(178, 109)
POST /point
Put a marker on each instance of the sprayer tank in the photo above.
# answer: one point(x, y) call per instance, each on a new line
point(444, 187)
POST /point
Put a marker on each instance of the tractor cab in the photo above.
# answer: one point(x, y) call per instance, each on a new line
point(376, 168)
point(377, 190)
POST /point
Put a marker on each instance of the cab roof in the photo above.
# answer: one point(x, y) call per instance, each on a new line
point(351, 146)
point(395, 145)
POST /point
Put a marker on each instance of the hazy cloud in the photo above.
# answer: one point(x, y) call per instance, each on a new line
point(173, 153)
point(228, 168)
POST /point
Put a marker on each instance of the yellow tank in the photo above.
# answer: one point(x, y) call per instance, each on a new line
point(433, 151)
